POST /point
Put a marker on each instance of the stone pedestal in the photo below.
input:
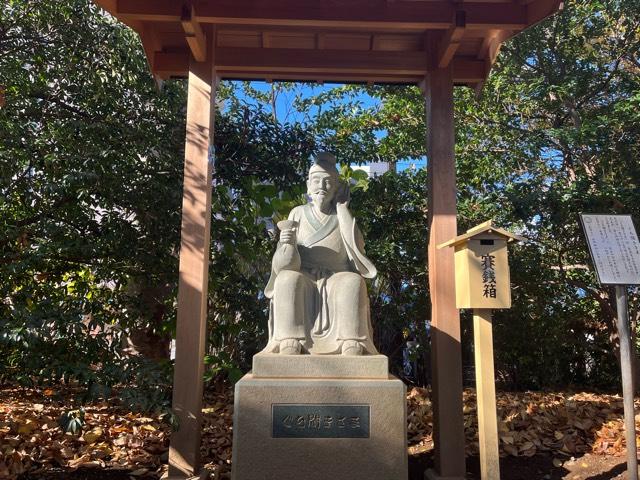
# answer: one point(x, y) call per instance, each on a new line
point(320, 428)
point(273, 365)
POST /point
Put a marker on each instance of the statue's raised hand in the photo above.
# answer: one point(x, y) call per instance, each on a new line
point(343, 194)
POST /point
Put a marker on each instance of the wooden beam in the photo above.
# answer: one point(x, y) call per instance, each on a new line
point(290, 59)
point(234, 61)
point(398, 43)
point(510, 16)
point(491, 45)
point(151, 44)
point(488, 52)
point(336, 77)
point(494, 50)
point(110, 6)
point(184, 451)
point(327, 65)
point(356, 14)
point(468, 70)
point(266, 40)
point(171, 64)
point(446, 358)
point(450, 42)
point(488, 39)
point(538, 10)
point(196, 39)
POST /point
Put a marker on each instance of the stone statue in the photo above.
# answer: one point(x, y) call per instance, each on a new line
point(319, 302)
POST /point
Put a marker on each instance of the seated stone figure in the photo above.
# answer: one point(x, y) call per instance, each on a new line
point(319, 301)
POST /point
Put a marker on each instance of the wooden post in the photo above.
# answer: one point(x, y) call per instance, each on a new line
point(184, 452)
point(486, 394)
point(626, 352)
point(446, 359)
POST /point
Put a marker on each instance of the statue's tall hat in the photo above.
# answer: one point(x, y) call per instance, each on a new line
point(324, 162)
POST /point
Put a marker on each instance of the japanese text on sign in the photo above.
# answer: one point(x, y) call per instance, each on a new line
point(489, 276)
point(614, 248)
point(320, 421)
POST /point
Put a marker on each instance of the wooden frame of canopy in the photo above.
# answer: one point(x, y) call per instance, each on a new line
point(434, 43)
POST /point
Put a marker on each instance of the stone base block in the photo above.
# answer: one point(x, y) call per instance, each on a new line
point(274, 365)
point(319, 429)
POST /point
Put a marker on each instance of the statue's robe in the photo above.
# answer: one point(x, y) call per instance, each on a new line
point(325, 301)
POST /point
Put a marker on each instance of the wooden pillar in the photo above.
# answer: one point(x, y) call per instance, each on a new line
point(184, 451)
point(446, 359)
point(486, 394)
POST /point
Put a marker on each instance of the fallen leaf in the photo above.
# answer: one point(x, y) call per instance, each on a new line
point(27, 428)
point(507, 439)
point(93, 435)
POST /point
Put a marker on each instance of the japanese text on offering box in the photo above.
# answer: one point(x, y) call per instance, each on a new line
point(489, 276)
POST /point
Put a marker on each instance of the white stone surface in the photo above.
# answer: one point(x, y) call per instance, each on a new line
point(320, 366)
point(258, 456)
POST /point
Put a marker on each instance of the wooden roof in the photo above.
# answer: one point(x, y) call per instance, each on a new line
point(485, 227)
point(383, 41)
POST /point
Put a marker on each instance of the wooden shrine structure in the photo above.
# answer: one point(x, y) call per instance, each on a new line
point(434, 43)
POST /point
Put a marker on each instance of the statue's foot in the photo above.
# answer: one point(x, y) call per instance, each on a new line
point(290, 346)
point(351, 348)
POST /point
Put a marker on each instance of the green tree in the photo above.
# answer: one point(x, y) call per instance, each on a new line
point(91, 156)
point(89, 208)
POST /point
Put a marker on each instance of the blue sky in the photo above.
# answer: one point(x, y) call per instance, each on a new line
point(285, 100)
point(286, 112)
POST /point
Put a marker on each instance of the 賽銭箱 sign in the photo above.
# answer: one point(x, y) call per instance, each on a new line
point(482, 267)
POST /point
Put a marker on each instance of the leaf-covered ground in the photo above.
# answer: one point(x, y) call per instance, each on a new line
point(558, 433)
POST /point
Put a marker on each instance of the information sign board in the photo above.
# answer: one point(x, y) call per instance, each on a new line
point(614, 246)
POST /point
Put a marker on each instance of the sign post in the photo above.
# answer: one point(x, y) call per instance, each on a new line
point(486, 394)
point(615, 250)
point(483, 284)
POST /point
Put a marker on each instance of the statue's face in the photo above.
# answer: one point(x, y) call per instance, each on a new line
point(321, 187)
